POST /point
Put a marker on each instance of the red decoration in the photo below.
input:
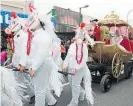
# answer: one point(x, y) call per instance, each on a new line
point(81, 58)
point(97, 33)
point(29, 41)
point(31, 7)
point(14, 15)
point(107, 42)
point(82, 25)
point(11, 42)
point(127, 44)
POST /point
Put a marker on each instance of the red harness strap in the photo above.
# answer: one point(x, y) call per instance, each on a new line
point(81, 58)
point(11, 42)
point(13, 27)
point(29, 41)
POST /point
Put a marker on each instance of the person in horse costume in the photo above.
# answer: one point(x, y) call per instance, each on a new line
point(76, 63)
point(18, 40)
point(40, 60)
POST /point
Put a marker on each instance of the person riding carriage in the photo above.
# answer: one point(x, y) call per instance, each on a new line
point(117, 31)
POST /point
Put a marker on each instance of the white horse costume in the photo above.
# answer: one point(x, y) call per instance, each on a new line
point(11, 91)
point(56, 79)
point(76, 62)
point(40, 59)
point(82, 32)
point(19, 47)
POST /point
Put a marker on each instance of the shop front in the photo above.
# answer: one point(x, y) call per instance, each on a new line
point(5, 17)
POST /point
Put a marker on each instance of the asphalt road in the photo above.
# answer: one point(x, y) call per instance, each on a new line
point(121, 94)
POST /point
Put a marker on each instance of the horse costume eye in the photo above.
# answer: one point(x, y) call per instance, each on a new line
point(18, 35)
point(13, 22)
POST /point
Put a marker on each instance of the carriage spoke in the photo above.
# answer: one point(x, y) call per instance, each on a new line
point(116, 65)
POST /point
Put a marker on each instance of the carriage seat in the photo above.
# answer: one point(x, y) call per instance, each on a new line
point(126, 43)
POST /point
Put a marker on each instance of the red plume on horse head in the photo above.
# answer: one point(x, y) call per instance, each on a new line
point(31, 7)
point(82, 25)
point(14, 14)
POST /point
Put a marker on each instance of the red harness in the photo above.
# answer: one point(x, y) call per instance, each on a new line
point(29, 41)
point(13, 27)
point(81, 58)
point(11, 42)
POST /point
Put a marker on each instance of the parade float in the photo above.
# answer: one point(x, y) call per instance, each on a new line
point(112, 61)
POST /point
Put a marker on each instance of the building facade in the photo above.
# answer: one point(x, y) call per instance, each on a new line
point(66, 20)
point(19, 6)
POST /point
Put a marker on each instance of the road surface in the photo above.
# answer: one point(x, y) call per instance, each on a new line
point(121, 94)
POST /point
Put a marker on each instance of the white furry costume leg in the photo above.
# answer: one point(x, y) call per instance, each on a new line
point(77, 91)
point(11, 88)
point(75, 82)
point(55, 80)
point(5, 100)
point(88, 88)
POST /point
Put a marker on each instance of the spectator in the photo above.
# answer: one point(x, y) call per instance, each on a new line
point(117, 38)
point(3, 43)
point(3, 56)
point(63, 51)
point(72, 40)
point(67, 45)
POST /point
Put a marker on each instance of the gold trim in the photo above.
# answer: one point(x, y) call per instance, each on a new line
point(113, 19)
point(112, 16)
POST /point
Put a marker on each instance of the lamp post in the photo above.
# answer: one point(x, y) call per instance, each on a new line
point(80, 12)
point(128, 14)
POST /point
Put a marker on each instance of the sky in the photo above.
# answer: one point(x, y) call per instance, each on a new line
point(97, 8)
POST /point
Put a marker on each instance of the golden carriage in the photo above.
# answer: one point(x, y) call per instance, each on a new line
point(110, 61)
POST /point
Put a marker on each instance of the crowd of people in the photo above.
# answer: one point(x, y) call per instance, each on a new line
point(64, 47)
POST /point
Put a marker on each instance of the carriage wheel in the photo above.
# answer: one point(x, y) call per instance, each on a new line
point(106, 83)
point(117, 65)
point(128, 70)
